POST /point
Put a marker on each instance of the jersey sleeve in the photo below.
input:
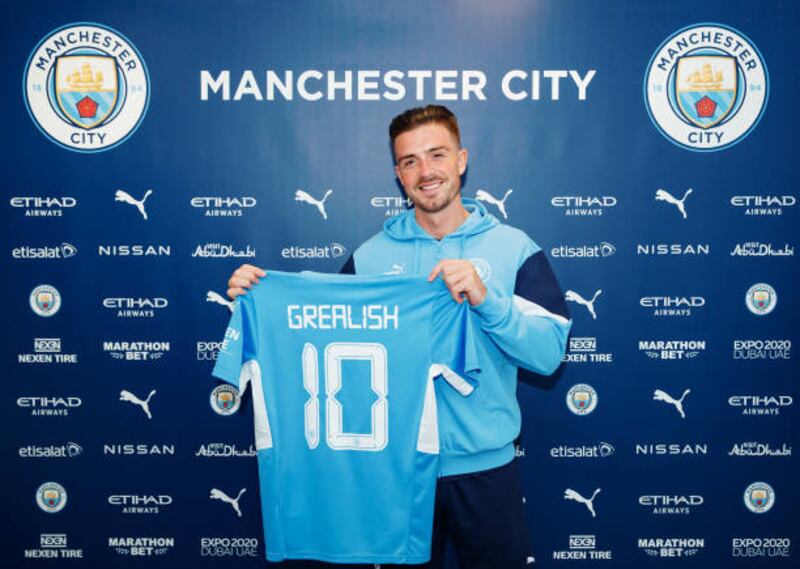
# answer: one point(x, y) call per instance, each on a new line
point(454, 343)
point(240, 343)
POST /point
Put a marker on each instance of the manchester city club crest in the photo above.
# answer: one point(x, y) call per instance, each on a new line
point(482, 267)
point(581, 399)
point(759, 497)
point(51, 497)
point(86, 87)
point(225, 399)
point(761, 299)
point(706, 87)
point(45, 300)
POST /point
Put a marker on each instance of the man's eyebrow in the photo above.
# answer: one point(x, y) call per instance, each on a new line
point(434, 149)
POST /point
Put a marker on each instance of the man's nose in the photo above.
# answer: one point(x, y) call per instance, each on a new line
point(424, 167)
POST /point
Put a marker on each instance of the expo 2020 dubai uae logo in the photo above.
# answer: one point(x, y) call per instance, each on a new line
point(706, 87)
point(86, 87)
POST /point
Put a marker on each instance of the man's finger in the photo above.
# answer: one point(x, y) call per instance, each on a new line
point(436, 271)
point(257, 270)
point(235, 292)
point(240, 282)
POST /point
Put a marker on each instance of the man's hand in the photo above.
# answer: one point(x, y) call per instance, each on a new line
point(460, 277)
point(242, 279)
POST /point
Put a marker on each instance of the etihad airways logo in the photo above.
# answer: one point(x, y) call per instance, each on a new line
point(583, 206)
point(140, 503)
point(760, 405)
point(763, 205)
point(135, 307)
point(391, 205)
point(672, 306)
point(38, 206)
point(223, 206)
point(671, 504)
point(49, 406)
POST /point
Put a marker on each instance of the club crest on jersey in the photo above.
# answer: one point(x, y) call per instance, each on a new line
point(51, 497)
point(482, 267)
point(86, 87)
point(225, 399)
point(706, 87)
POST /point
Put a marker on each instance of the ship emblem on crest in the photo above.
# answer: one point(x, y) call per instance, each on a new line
point(706, 88)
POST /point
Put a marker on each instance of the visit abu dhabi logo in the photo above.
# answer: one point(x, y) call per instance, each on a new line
point(706, 87)
point(86, 87)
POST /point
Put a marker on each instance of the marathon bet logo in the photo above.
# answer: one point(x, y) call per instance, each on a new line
point(223, 206)
point(759, 249)
point(63, 251)
point(672, 249)
point(672, 546)
point(581, 548)
point(228, 547)
point(672, 306)
point(761, 205)
point(139, 351)
point(670, 505)
point(760, 405)
point(225, 450)
point(138, 449)
point(584, 350)
point(391, 205)
point(600, 450)
point(754, 448)
point(43, 206)
point(223, 251)
point(53, 546)
point(208, 350)
point(770, 547)
point(135, 307)
point(672, 349)
point(49, 406)
point(603, 249)
point(47, 351)
point(135, 250)
point(68, 450)
point(139, 503)
point(141, 546)
point(583, 206)
point(332, 251)
point(671, 449)
point(762, 349)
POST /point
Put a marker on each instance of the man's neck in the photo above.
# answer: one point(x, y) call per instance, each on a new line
point(442, 223)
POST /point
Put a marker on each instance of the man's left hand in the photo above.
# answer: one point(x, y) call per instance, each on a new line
point(461, 278)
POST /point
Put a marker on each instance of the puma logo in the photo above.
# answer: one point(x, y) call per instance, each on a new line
point(131, 398)
point(665, 196)
point(484, 196)
point(302, 196)
point(125, 197)
point(573, 296)
point(570, 494)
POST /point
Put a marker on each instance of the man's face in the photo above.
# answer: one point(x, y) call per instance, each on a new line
point(429, 165)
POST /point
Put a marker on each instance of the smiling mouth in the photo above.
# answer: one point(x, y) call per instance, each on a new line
point(430, 186)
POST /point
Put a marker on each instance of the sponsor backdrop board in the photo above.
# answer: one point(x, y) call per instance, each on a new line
point(150, 148)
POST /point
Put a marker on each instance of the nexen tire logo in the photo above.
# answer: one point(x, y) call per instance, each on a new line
point(332, 251)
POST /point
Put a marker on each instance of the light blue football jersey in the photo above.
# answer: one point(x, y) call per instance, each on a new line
point(342, 372)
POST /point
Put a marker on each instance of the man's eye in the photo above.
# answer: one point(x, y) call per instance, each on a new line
point(407, 163)
point(438, 154)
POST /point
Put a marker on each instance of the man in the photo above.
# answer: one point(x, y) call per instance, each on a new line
point(508, 282)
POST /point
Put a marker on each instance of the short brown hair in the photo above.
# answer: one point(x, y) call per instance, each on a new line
point(418, 116)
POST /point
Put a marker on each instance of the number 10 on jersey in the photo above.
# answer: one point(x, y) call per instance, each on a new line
point(335, 354)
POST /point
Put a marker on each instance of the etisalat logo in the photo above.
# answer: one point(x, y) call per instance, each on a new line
point(140, 503)
point(680, 204)
point(303, 196)
point(63, 251)
point(125, 197)
point(671, 546)
point(760, 405)
point(759, 249)
point(770, 547)
point(757, 449)
point(602, 250)
point(499, 203)
point(49, 406)
point(584, 350)
point(47, 351)
point(223, 251)
point(43, 206)
point(135, 307)
point(223, 206)
point(582, 547)
point(53, 546)
point(225, 450)
point(392, 205)
point(763, 205)
point(136, 351)
point(141, 546)
point(67, 450)
point(572, 296)
point(570, 494)
point(229, 547)
point(583, 206)
point(332, 251)
point(672, 349)
point(762, 349)
point(671, 504)
point(600, 450)
point(672, 305)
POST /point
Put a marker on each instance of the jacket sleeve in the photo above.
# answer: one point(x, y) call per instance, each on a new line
point(532, 327)
point(349, 267)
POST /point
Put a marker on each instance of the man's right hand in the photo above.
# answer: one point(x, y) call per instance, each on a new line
point(243, 278)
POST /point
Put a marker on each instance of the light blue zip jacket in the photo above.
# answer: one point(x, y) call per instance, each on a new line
point(524, 320)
